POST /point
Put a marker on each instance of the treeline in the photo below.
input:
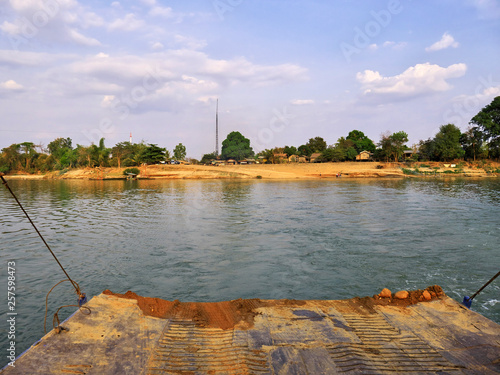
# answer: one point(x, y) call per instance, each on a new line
point(60, 154)
point(480, 141)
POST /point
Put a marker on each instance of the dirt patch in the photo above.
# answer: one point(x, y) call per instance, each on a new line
point(240, 313)
point(224, 315)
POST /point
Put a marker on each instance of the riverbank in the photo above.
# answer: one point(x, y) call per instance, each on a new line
point(279, 171)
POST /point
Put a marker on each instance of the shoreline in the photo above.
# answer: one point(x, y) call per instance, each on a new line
point(274, 171)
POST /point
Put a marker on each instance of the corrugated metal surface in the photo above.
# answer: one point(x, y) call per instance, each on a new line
point(268, 337)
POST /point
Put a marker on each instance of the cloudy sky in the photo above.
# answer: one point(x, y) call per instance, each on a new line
point(284, 71)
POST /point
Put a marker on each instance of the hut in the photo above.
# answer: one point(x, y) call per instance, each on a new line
point(315, 157)
point(364, 156)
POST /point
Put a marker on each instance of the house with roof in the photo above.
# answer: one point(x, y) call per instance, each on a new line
point(364, 156)
point(410, 154)
point(315, 158)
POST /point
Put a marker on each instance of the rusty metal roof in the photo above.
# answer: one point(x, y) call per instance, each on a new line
point(129, 334)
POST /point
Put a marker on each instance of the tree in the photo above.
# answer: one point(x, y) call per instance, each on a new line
point(121, 151)
point(59, 146)
point(267, 154)
point(61, 150)
point(447, 143)
point(135, 156)
point(316, 144)
point(10, 158)
point(179, 152)
point(27, 155)
point(393, 145)
point(152, 154)
point(488, 122)
point(87, 156)
point(427, 149)
point(290, 150)
point(103, 154)
point(472, 143)
point(236, 146)
point(305, 150)
point(361, 141)
point(342, 150)
point(207, 158)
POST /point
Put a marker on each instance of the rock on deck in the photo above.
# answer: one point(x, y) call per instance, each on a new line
point(129, 334)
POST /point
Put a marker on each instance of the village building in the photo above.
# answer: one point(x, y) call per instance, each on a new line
point(410, 154)
point(364, 156)
point(314, 157)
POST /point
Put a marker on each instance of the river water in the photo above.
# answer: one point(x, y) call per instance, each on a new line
point(213, 240)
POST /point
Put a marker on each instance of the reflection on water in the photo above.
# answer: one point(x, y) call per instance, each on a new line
point(227, 239)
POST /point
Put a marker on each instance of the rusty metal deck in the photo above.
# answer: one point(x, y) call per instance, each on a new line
point(272, 337)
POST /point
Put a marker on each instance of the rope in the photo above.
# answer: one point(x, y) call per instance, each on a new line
point(468, 300)
point(58, 328)
point(485, 285)
point(81, 296)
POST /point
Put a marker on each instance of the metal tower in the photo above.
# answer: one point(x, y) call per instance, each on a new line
point(217, 128)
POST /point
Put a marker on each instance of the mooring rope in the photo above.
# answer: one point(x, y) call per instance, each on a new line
point(58, 328)
point(82, 298)
point(467, 302)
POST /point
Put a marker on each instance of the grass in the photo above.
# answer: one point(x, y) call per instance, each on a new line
point(410, 171)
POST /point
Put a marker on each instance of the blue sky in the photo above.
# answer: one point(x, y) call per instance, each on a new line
point(283, 71)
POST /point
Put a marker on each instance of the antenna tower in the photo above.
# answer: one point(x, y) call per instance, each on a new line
point(217, 128)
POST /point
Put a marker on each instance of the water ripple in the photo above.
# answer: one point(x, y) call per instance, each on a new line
point(221, 240)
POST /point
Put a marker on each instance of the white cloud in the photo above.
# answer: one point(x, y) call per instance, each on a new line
point(487, 8)
point(21, 58)
point(157, 46)
point(189, 42)
point(11, 85)
point(483, 95)
point(82, 39)
point(302, 101)
point(394, 45)
point(418, 79)
point(49, 21)
point(107, 101)
point(162, 12)
point(149, 2)
point(446, 41)
point(388, 44)
point(128, 23)
point(164, 78)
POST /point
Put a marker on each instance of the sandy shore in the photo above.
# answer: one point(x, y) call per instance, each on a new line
point(278, 171)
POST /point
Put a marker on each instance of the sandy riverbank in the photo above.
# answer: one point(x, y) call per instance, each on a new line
point(278, 171)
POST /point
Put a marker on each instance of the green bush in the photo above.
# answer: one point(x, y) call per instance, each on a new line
point(131, 170)
point(410, 171)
